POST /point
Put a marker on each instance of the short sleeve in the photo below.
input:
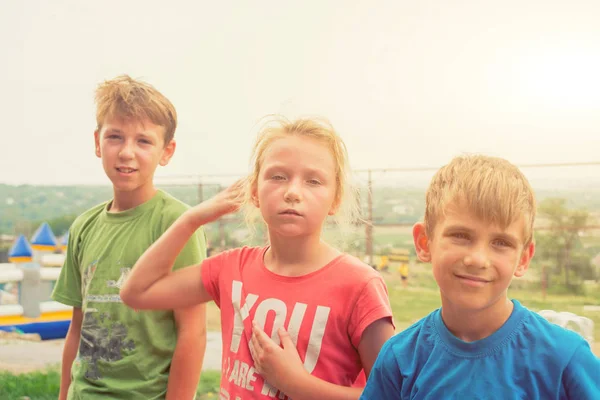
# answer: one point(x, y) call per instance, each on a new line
point(68, 286)
point(371, 305)
point(211, 273)
point(385, 379)
point(581, 379)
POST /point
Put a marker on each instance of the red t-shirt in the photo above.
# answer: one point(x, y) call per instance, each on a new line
point(325, 313)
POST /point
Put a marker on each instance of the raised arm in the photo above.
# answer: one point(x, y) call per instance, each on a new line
point(152, 284)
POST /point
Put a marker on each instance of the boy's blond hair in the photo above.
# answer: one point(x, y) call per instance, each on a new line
point(127, 98)
point(277, 127)
point(491, 188)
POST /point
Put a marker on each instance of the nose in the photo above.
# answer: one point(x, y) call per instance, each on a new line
point(127, 150)
point(477, 258)
point(293, 192)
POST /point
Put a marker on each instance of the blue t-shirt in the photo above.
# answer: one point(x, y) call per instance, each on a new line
point(527, 358)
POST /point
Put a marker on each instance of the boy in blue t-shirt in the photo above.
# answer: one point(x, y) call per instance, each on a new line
point(478, 234)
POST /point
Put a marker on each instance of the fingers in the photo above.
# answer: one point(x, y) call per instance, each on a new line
point(286, 339)
point(261, 337)
point(235, 193)
point(254, 352)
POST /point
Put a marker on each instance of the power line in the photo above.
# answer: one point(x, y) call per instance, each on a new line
point(395, 169)
point(546, 165)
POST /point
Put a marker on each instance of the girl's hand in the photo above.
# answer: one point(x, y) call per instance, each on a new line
point(225, 202)
point(277, 365)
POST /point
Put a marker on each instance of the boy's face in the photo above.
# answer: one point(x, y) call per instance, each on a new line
point(130, 151)
point(473, 262)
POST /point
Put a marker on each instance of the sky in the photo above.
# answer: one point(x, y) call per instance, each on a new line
point(406, 83)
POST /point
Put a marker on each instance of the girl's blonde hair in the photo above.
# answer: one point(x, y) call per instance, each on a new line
point(277, 127)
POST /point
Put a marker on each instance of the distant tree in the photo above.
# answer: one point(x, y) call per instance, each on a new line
point(561, 244)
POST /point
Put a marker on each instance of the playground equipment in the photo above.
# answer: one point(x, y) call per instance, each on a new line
point(399, 255)
point(582, 325)
point(382, 262)
point(33, 312)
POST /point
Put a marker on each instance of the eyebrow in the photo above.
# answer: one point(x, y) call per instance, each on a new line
point(458, 228)
point(282, 166)
point(507, 237)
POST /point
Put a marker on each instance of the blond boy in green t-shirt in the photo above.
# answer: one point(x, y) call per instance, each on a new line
point(110, 350)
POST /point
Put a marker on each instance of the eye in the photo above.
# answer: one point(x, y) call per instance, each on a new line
point(460, 236)
point(113, 137)
point(145, 141)
point(314, 182)
point(502, 243)
point(277, 178)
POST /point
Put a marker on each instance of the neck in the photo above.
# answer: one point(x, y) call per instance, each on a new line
point(126, 200)
point(473, 325)
point(299, 255)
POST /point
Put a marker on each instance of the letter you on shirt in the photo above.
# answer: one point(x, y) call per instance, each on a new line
point(244, 375)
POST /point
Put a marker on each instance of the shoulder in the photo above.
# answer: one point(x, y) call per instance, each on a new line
point(87, 217)
point(228, 264)
point(421, 332)
point(418, 338)
point(237, 256)
point(551, 338)
point(166, 211)
point(170, 207)
point(353, 268)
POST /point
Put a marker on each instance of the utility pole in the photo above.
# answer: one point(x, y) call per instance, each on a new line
point(222, 229)
point(369, 224)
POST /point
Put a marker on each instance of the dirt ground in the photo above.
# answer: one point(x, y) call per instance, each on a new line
point(26, 356)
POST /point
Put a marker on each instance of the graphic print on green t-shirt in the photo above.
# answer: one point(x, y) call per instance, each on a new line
point(121, 351)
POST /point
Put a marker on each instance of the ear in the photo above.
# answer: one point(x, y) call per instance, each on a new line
point(421, 242)
point(526, 257)
point(168, 152)
point(254, 194)
point(334, 207)
point(97, 143)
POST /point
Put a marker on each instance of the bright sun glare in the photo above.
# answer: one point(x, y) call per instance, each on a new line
point(566, 78)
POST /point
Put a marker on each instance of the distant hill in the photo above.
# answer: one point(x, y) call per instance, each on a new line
point(24, 205)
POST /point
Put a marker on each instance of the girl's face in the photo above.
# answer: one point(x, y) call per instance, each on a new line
point(296, 186)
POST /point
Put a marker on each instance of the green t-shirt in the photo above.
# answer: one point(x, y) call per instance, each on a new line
point(123, 354)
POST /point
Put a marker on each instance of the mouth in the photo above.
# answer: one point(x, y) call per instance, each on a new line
point(290, 212)
point(126, 170)
point(473, 280)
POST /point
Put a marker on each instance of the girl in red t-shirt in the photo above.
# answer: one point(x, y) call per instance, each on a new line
point(326, 313)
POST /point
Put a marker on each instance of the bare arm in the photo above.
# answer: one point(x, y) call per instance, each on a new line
point(152, 284)
point(70, 352)
point(189, 352)
point(372, 340)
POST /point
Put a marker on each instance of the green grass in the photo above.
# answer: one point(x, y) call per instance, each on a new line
point(45, 385)
point(209, 385)
point(39, 385)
